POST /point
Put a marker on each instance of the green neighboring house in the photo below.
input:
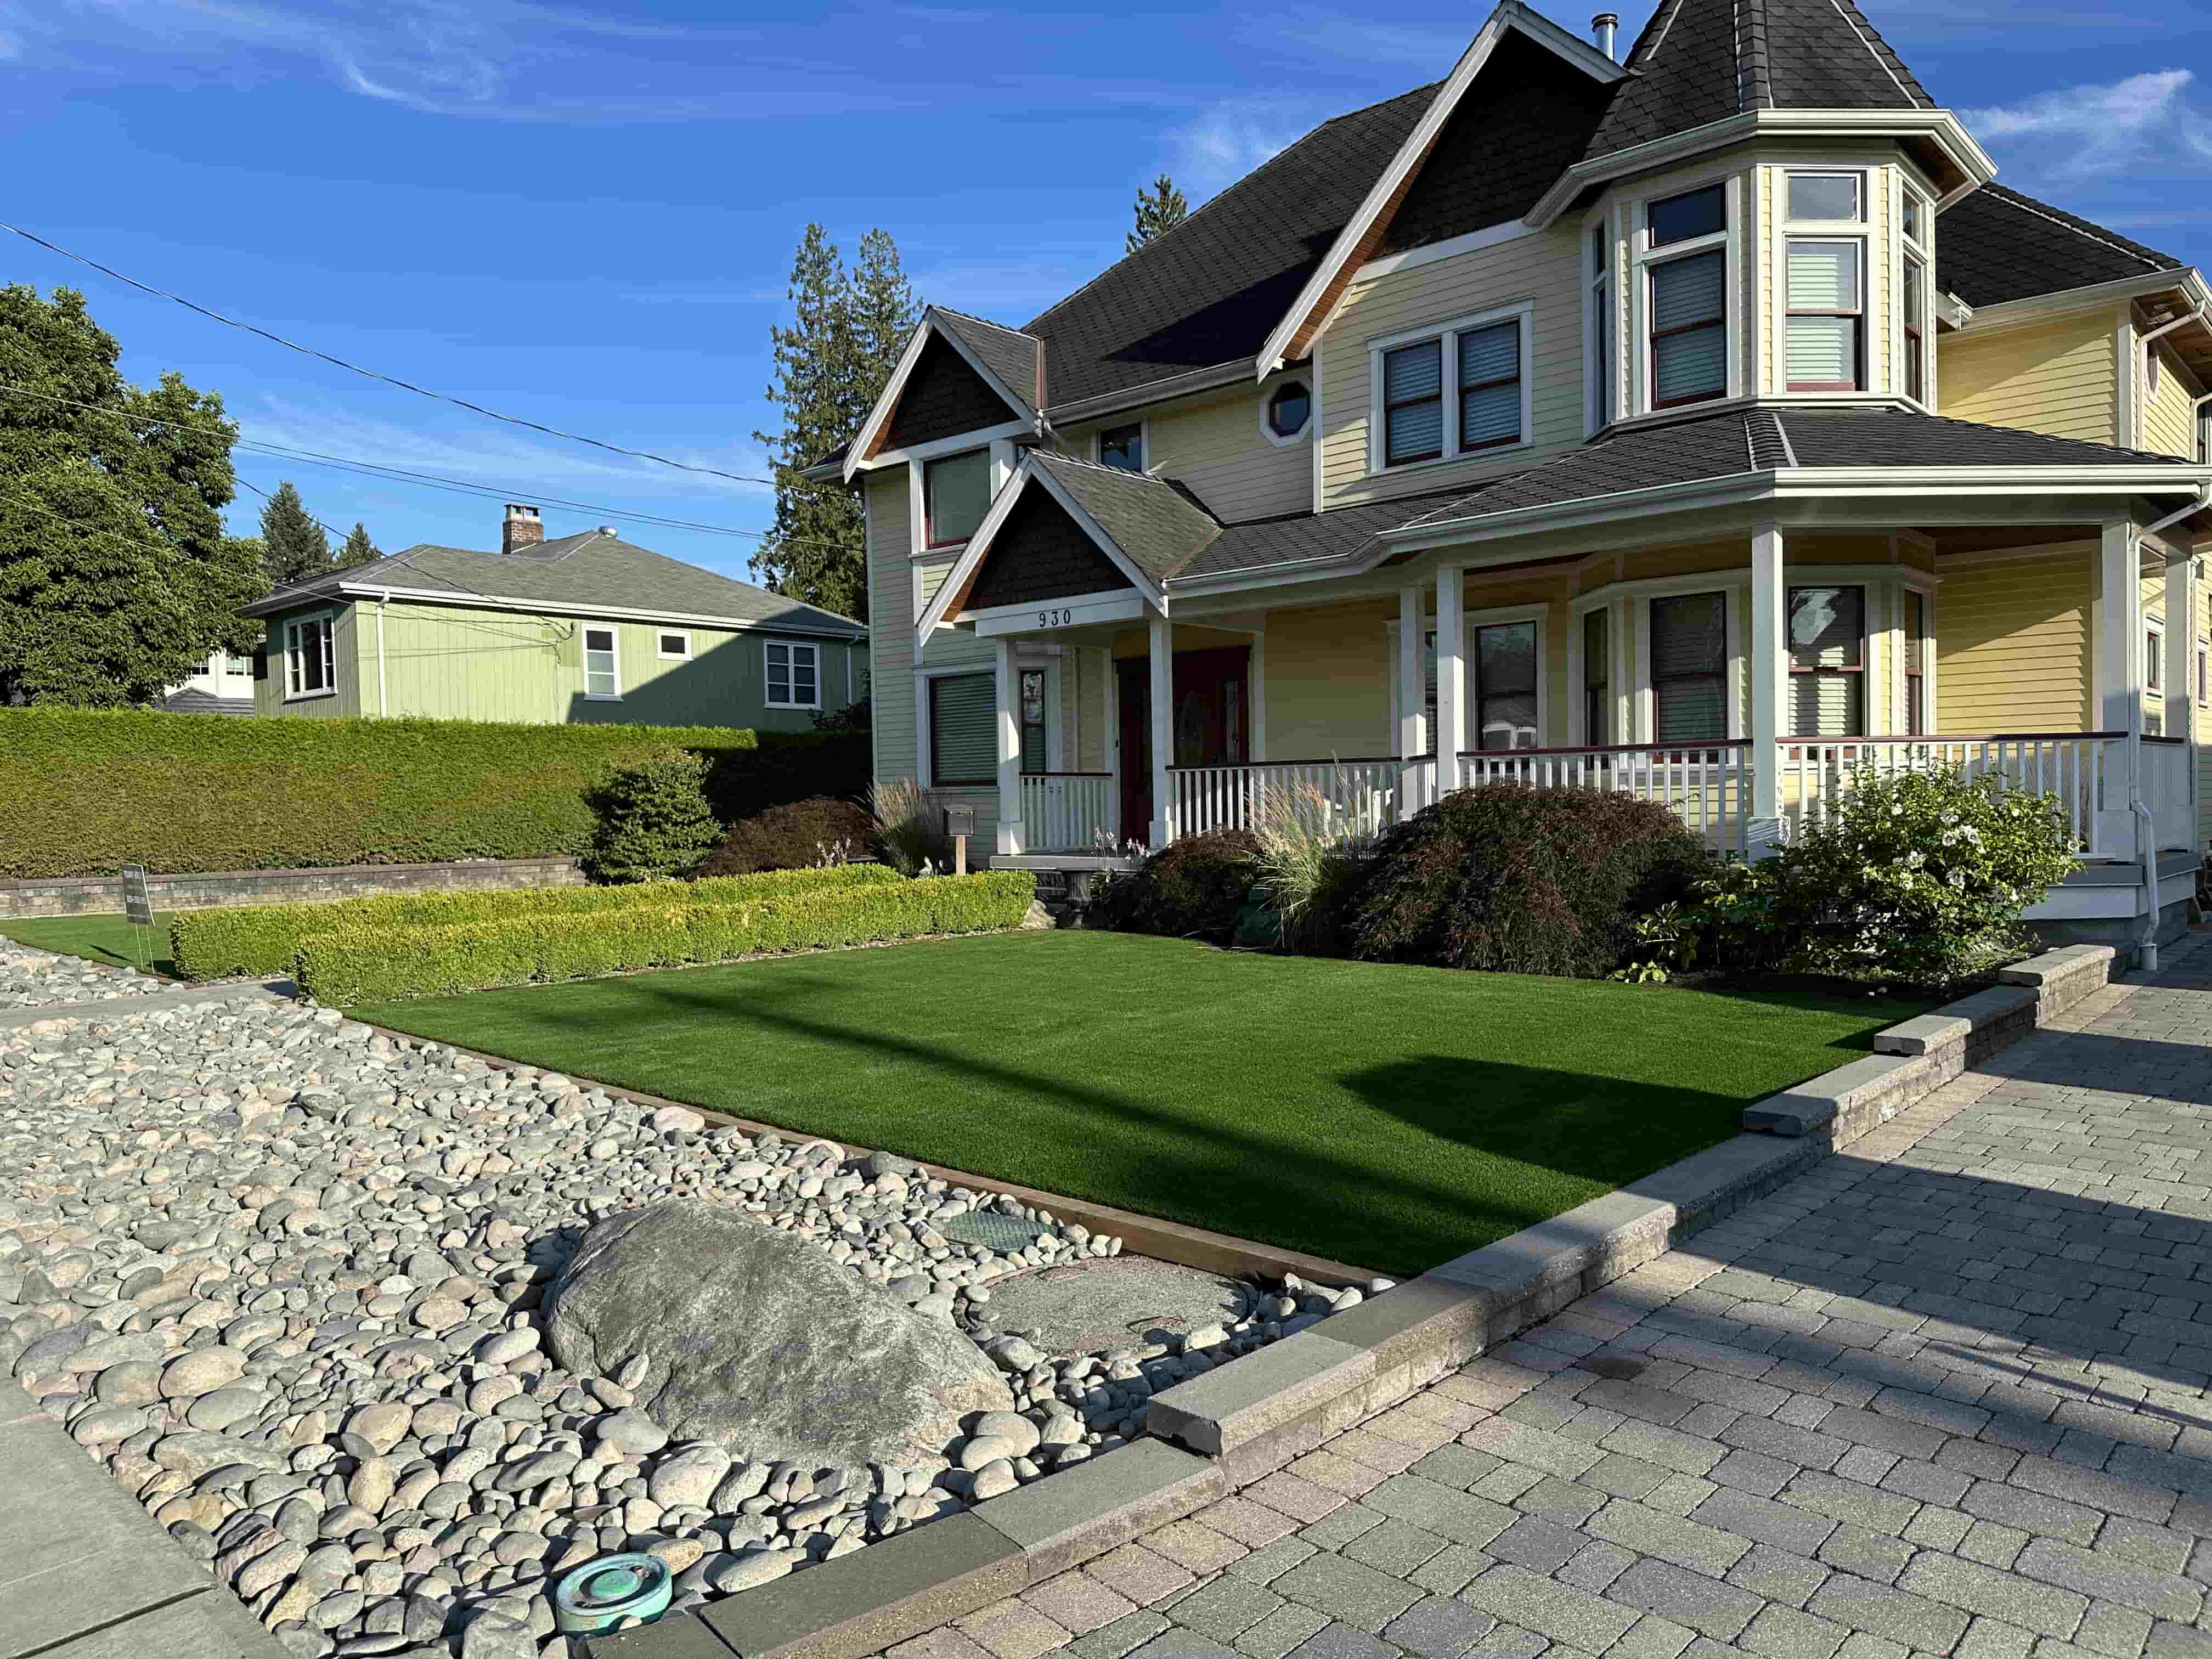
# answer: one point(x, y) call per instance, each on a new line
point(584, 628)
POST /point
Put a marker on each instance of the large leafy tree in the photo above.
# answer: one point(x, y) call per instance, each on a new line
point(1160, 208)
point(847, 329)
point(293, 545)
point(116, 576)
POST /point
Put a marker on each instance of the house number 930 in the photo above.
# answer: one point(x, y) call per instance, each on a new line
point(1059, 618)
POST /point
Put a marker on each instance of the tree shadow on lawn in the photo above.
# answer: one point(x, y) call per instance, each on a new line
point(1399, 1165)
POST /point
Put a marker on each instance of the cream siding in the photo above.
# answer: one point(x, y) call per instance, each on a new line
point(1217, 446)
point(2058, 378)
point(1545, 270)
point(2013, 645)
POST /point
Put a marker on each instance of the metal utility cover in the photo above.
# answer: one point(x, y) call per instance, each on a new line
point(992, 1231)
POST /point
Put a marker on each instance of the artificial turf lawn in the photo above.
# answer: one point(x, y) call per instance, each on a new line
point(105, 939)
point(1386, 1116)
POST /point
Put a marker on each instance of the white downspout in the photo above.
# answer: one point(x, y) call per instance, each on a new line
point(383, 695)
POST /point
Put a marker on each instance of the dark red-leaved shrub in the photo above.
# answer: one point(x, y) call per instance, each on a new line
point(793, 836)
point(1190, 889)
point(1512, 879)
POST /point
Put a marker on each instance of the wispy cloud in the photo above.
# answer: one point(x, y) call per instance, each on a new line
point(1228, 140)
point(1337, 37)
point(2145, 123)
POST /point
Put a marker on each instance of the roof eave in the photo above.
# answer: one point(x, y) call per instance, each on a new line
point(345, 593)
point(2037, 306)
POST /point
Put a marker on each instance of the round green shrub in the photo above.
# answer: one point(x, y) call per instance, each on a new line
point(794, 836)
point(1511, 879)
point(1190, 889)
point(655, 820)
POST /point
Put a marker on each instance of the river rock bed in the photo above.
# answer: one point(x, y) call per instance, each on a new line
point(32, 979)
point(283, 1277)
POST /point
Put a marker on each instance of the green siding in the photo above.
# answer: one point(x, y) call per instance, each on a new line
point(269, 696)
point(455, 662)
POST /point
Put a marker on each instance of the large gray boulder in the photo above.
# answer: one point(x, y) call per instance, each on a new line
point(758, 1341)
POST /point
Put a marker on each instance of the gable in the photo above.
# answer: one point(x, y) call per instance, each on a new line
point(1527, 118)
point(1041, 553)
point(943, 399)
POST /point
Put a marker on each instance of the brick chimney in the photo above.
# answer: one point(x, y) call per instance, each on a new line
point(523, 528)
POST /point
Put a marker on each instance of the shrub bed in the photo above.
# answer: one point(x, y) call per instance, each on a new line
point(793, 836)
point(264, 938)
point(360, 965)
point(1518, 880)
point(90, 791)
point(1190, 889)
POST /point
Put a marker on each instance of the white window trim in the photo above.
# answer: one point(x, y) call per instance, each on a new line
point(1861, 231)
point(1861, 239)
point(329, 620)
point(1861, 175)
point(1003, 462)
point(1616, 611)
point(923, 773)
point(1266, 400)
point(614, 637)
point(1923, 248)
point(1028, 659)
point(1600, 401)
point(768, 696)
point(1447, 336)
point(683, 634)
point(1643, 258)
point(1471, 622)
point(1144, 425)
point(2201, 664)
point(1644, 715)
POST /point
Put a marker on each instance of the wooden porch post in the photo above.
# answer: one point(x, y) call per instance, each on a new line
point(1162, 632)
point(1770, 668)
point(1451, 676)
point(2118, 703)
point(1010, 840)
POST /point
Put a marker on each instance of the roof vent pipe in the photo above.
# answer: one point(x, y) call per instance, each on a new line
point(1603, 28)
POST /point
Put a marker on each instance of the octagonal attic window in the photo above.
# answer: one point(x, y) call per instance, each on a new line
point(1290, 406)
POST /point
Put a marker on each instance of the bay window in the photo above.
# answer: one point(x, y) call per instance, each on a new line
point(1689, 668)
point(1919, 263)
point(1597, 681)
point(1601, 328)
point(1460, 390)
point(1687, 277)
point(955, 495)
point(1825, 284)
point(1916, 664)
point(1827, 662)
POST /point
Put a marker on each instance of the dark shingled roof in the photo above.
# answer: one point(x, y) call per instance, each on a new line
point(1158, 525)
point(190, 702)
point(1701, 61)
point(601, 571)
point(1309, 538)
point(1998, 245)
point(1014, 356)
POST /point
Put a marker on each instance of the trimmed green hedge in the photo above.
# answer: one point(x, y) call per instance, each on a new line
point(263, 939)
point(90, 791)
point(362, 965)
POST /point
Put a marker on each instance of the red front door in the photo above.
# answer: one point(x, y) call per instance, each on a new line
point(1212, 723)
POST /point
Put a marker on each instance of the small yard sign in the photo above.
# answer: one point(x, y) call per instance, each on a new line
point(137, 902)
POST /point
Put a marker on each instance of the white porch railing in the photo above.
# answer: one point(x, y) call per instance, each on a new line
point(1707, 786)
point(1373, 793)
point(2086, 770)
point(2169, 791)
point(1070, 812)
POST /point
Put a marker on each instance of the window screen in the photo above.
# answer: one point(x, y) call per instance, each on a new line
point(1827, 659)
point(1689, 668)
point(964, 746)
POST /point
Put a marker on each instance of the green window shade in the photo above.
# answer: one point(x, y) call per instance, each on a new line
point(1689, 342)
point(964, 741)
point(959, 491)
point(1689, 668)
point(1413, 403)
point(1490, 386)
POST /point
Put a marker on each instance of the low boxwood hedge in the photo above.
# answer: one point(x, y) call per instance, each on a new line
point(90, 791)
point(361, 965)
point(263, 939)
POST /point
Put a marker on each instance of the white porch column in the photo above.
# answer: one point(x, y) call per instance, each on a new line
point(1413, 690)
point(1769, 669)
point(2180, 647)
point(1010, 840)
point(1451, 676)
point(2119, 705)
point(1162, 700)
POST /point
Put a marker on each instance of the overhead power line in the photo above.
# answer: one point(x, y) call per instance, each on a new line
point(389, 380)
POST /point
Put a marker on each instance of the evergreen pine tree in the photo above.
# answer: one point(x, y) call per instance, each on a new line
point(1159, 209)
point(358, 550)
point(293, 545)
point(846, 333)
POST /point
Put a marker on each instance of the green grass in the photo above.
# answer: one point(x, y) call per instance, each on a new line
point(104, 939)
point(1386, 1116)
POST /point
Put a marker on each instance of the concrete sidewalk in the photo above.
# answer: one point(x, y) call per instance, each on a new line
point(85, 1573)
point(1946, 1392)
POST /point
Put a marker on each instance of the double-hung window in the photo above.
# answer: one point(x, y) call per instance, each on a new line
point(602, 665)
point(1919, 229)
point(1689, 668)
point(1916, 664)
point(2154, 682)
point(1601, 327)
point(310, 659)
point(1597, 681)
point(1459, 391)
point(964, 723)
point(1827, 662)
point(794, 675)
point(1505, 686)
point(955, 495)
point(1685, 265)
point(1826, 279)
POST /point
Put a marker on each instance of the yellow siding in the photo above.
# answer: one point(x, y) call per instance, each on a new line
point(2058, 378)
point(1216, 446)
point(1328, 681)
point(1545, 269)
point(2169, 425)
point(2013, 645)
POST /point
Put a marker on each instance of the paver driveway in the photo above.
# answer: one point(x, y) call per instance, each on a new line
point(1945, 1394)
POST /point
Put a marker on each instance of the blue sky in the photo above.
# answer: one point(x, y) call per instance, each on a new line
point(586, 216)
